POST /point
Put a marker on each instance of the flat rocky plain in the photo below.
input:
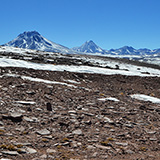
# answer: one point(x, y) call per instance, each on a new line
point(73, 120)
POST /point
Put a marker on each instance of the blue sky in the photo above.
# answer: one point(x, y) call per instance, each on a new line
point(109, 23)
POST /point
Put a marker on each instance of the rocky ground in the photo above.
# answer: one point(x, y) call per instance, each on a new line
point(68, 117)
point(76, 116)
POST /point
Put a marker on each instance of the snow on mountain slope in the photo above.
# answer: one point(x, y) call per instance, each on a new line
point(128, 50)
point(89, 47)
point(33, 40)
point(15, 50)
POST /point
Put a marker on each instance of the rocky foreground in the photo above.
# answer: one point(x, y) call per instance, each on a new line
point(76, 116)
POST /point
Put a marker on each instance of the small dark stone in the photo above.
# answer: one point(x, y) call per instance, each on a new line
point(31, 92)
point(14, 117)
point(63, 124)
point(158, 110)
point(49, 106)
point(43, 123)
point(117, 66)
point(29, 109)
point(143, 107)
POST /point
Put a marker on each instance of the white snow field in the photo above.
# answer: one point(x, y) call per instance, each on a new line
point(124, 68)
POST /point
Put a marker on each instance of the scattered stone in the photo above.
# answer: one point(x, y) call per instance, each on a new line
point(31, 119)
point(79, 143)
point(38, 109)
point(72, 112)
point(44, 156)
point(22, 151)
point(153, 139)
point(129, 151)
point(1, 123)
point(30, 150)
point(15, 116)
point(77, 132)
point(21, 129)
point(49, 106)
point(29, 109)
point(11, 153)
point(90, 147)
point(48, 137)
point(95, 154)
point(30, 92)
point(65, 144)
point(121, 144)
point(151, 132)
point(129, 125)
point(89, 114)
point(44, 132)
point(50, 151)
point(25, 102)
point(74, 144)
point(108, 120)
point(103, 147)
point(22, 144)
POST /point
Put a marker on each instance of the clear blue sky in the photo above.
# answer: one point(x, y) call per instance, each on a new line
point(109, 23)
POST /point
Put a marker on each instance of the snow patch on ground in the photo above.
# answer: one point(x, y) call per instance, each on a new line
point(131, 69)
point(143, 97)
point(26, 102)
point(71, 81)
point(23, 51)
point(109, 99)
point(40, 80)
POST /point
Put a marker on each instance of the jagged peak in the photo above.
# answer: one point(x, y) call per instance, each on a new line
point(127, 47)
point(90, 41)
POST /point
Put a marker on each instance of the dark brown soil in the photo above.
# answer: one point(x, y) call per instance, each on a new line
point(80, 126)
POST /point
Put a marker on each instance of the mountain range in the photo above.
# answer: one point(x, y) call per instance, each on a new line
point(33, 40)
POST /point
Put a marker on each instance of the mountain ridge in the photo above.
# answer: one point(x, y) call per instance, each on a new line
point(34, 40)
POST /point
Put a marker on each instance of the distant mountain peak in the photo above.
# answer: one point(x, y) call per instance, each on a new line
point(127, 47)
point(30, 32)
point(90, 41)
point(34, 40)
point(89, 47)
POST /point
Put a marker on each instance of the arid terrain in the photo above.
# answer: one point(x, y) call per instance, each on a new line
point(76, 116)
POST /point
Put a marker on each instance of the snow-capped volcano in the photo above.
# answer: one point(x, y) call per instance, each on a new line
point(89, 47)
point(33, 40)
